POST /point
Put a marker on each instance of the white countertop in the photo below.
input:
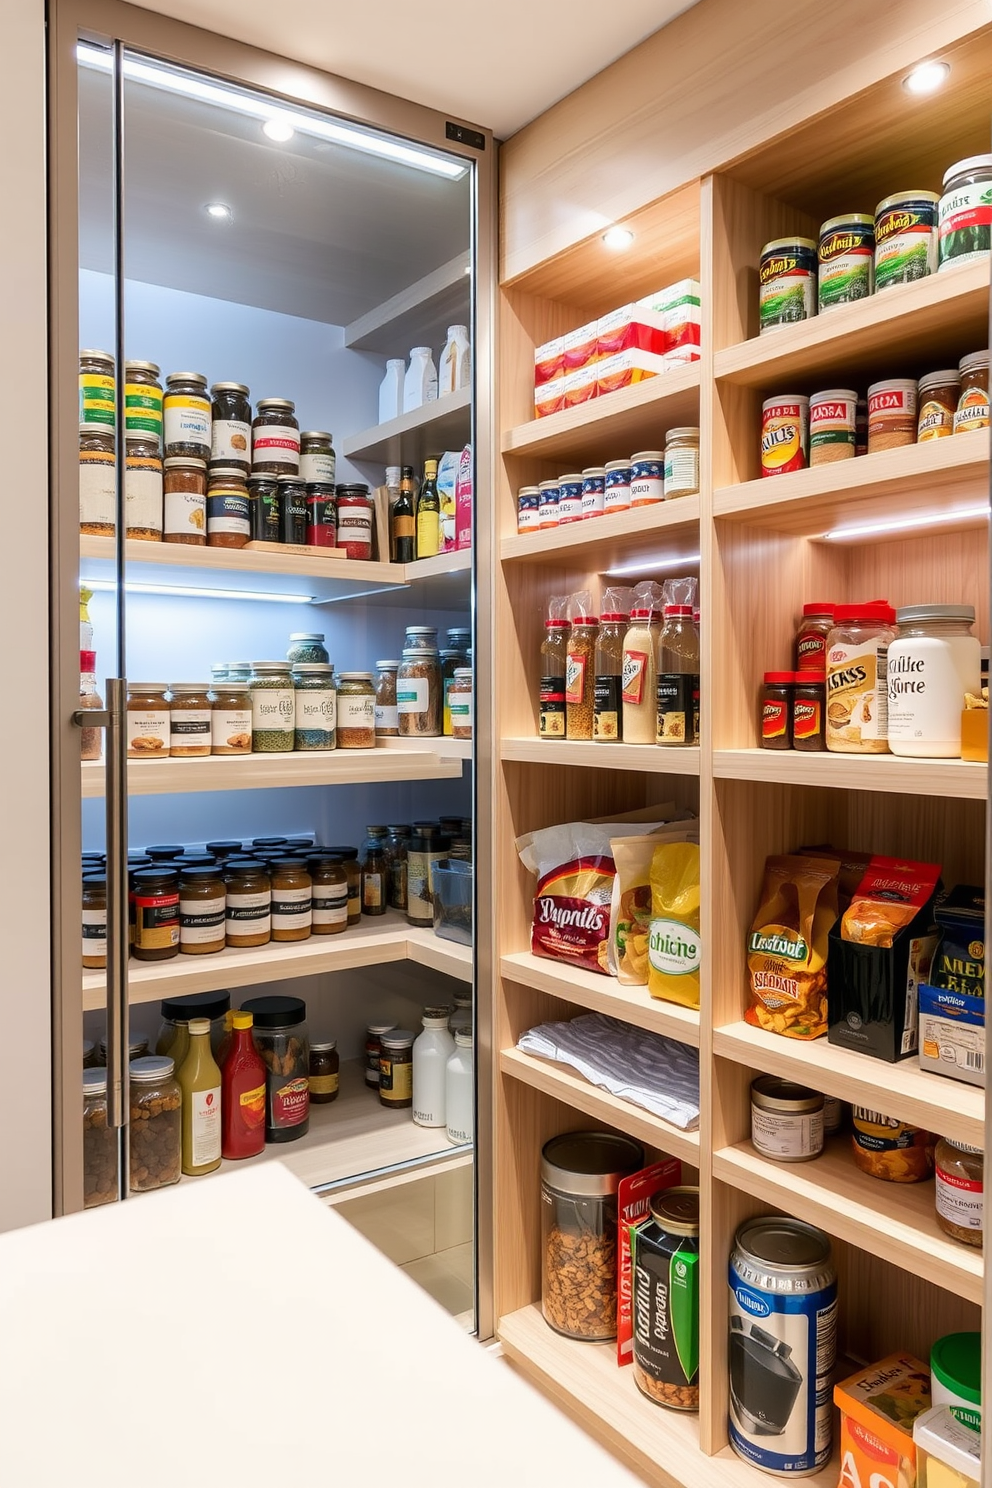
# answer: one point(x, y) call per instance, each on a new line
point(237, 1332)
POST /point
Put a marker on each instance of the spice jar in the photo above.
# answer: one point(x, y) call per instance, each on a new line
point(554, 664)
point(353, 872)
point(937, 398)
point(97, 480)
point(230, 719)
point(185, 501)
point(664, 1301)
point(143, 488)
point(292, 510)
point(681, 463)
point(186, 416)
point(387, 718)
point(317, 458)
point(396, 848)
point(97, 391)
point(329, 894)
point(932, 663)
point(857, 695)
point(809, 711)
point(460, 702)
point(960, 1174)
point(678, 678)
point(421, 638)
point(155, 1138)
point(292, 900)
point(273, 708)
point(230, 427)
point(811, 641)
point(228, 524)
point(776, 710)
point(375, 870)
point(418, 693)
point(355, 521)
point(275, 438)
point(423, 854)
point(307, 646)
point(450, 661)
point(248, 908)
point(396, 1069)
point(786, 1119)
point(373, 1052)
point(580, 677)
point(99, 1142)
point(580, 1175)
point(95, 920)
point(356, 711)
point(155, 897)
point(972, 411)
point(202, 906)
point(316, 705)
point(607, 717)
point(324, 1073)
point(264, 511)
point(280, 1032)
point(189, 720)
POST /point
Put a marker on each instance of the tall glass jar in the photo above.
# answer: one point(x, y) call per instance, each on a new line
point(387, 719)
point(356, 711)
point(460, 702)
point(418, 693)
point(678, 677)
point(396, 845)
point(230, 426)
point(421, 638)
point(857, 696)
point(156, 1123)
point(280, 1032)
point(450, 660)
point(97, 390)
point(273, 708)
point(275, 438)
point(607, 718)
point(580, 677)
point(554, 664)
point(99, 1142)
point(143, 487)
point(375, 869)
point(143, 402)
point(95, 920)
point(97, 480)
point(316, 705)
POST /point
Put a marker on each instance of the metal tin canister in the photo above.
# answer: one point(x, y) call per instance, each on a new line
point(593, 490)
point(617, 494)
point(548, 490)
point(786, 1119)
point(783, 1345)
point(787, 274)
point(905, 238)
point(832, 425)
point(528, 509)
point(784, 434)
point(846, 260)
point(569, 499)
point(665, 1300)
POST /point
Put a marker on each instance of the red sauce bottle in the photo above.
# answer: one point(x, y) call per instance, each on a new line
point(242, 1093)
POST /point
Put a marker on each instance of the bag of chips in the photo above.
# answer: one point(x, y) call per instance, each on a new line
point(673, 936)
point(630, 910)
point(787, 946)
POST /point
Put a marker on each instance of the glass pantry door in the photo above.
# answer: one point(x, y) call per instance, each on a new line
point(261, 265)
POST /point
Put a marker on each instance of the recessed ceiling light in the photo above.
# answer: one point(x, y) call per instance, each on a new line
point(927, 77)
point(278, 129)
point(618, 237)
point(219, 210)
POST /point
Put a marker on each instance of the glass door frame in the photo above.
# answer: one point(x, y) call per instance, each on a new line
point(106, 21)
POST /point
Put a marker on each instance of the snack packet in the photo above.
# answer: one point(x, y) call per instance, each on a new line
point(787, 946)
point(888, 898)
point(673, 937)
point(630, 909)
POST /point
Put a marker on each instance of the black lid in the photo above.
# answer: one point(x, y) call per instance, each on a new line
point(200, 873)
point(95, 878)
point(355, 488)
point(93, 857)
point(426, 828)
point(198, 860)
point(269, 841)
point(324, 860)
point(244, 863)
point(300, 841)
point(291, 863)
point(196, 1005)
point(450, 825)
point(135, 859)
point(164, 854)
point(349, 854)
point(275, 1012)
point(223, 849)
point(147, 878)
point(402, 829)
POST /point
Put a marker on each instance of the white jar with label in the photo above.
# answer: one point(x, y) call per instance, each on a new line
point(459, 1091)
point(933, 662)
point(786, 1120)
point(456, 361)
point(431, 1052)
point(420, 382)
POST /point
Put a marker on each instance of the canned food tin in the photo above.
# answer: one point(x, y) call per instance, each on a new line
point(549, 504)
point(965, 211)
point(647, 477)
point(832, 419)
point(786, 282)
point(905, 238)
point(786, 1119)
point(783, 1345)
point(784, 434)
point(616, 496)
point(891, 414)
point(665, 1300)
point(528, 509)
point(846, 260)
point(593, 491)
point(569, 499)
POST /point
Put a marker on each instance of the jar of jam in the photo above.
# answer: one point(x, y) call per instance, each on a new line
point(329, 894)
point(97, 480)
point(387, 719)
point(937, 404)
point(355, 521)
point(187, 416)
point(275, 437)
point(189, 720)
point(148, 720)
point(324, 1072)
point(349, 860)
point(248, 904)
point(230, 427)
point(143, 487)
point(811, 640)
point(202, 911)
point(356, 711)
point(95, 920)
point(264, 508)
point(227, 508)
point(230, 721)
point(292, 900)
point(396, 1069)
point(317, 458)
point(776, 710)
point(322, 516)
point(143, 402)
point(373, 1052)
point(155, 898)
point(809, 702)
point(97, 391)
point(292, 510)
point(972, 411)
point(184, 489)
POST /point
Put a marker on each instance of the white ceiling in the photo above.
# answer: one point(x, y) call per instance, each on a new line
point(498, 63)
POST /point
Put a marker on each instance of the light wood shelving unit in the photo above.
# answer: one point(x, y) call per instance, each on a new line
point(761, 550)
point(270, 771)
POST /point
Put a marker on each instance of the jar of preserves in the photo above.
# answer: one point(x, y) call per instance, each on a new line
point(228, 525)
point(373, 1052)
point(99, 1142)
point(809, 712)
point(396, 1069)
point(275, 438)
point(97, 480)
point(857, 693)
point(273, 708)
point(325, 1068)
point(329, 894)
point(932, 663)
point(322, 516)
point(187, 416)
point(317, 458)
point(960, 1196)
point(156, 1123)
point(396, 845)
point(356, 711)
point(937, 400)
point(97, 391)
point(776, 710)
point(143, 488)
point(155, 897)
point(189, 720)
point(280, 1032)
point(418, 693)
point(580, 677)
point(185, 500)
point(554, 664)
point(580, 1175)
point(143, 402)
point(681, 463)
point(374, 873)
point(355, 521)
point(292, 510)
point(665, 1300)
point(316, 705)
point(95, 920)
point(230, 720)
point(292, 899)
point(353, 873)
point(811, 640)
point(230, 427)
point(972, 411)
point(264, 513)
point(607, 717)
point(202, 911)
point(387, 719)
point(461, 700)
point(248, 903)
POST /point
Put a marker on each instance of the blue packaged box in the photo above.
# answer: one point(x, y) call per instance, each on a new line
point(960, 960)
point(952, 1034)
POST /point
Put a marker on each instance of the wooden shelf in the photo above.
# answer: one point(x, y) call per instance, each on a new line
point(618, 424)
point(374, 942)
point(419, 315)
point(652, 758)
point(675, 523)
point(949, 1107)
point(449, 749)
point(272, 771)
point(954, 778)
point(563, 1085)
point(945, 315)
point(894, 1219)
point(445, 424)
point(603, 994)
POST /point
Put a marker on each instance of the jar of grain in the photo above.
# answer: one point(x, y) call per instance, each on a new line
point(607, 720)
point(186, 416)
point(143, 402)
point(307, 646)
point(230, 718)
point(156, 1123)
point(185, 498)
point(316, 705)
point(937, 397)
point(148, 721)
point(99, 1142)
point(396, 849)
point(960, 1174)
point(189, 720)
point(202, 911)
point(329, 894)
point(461, 697)
point(857, 689)
point(554, 664)
point(95, 920)
point(681, 463)
point(832, 416)
point(418, 693)
point(97, 480)
point(292, 900)
point(273, 708)
point(891, 414)
point(228, 519)
point(248, 904)
point(580, 678)
point(387, 718)
point(143, 488)
point(356, 711)
point(972, 411)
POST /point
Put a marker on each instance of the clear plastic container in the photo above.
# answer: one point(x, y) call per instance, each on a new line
point(156, 1124)
point(280, 1032)
point(452, 884)
point(948, 1455)
point(99, 1142)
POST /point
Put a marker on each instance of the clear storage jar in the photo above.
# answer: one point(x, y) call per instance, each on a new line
point(230, 720)
point(356, 711)
point(279, 1029)
point(316, 705)
point(177, 1012)
point(273, 708)
point(387, 719)
point(418, 693)
point(186, 414)
point(99, 1142)
point(156, 1123)
point(307, 646)
point(932, 663)
point(97, 480)
point(857, 696)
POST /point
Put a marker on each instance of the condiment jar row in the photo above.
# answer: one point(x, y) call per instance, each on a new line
point(643, 480)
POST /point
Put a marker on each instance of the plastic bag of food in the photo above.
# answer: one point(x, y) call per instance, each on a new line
point(630, 910)
point(787, 946)
point(673, 936)
point(889, 897)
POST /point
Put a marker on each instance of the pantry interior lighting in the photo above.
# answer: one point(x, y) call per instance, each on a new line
point(618, 238)
point(280, 130)
point(219, 210)
point(904, 524)
point(190, 85)
point(190, 592)
point(927, 77)
point(645, 565)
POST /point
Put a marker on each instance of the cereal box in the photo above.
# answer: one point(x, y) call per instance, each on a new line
point(878, 1406)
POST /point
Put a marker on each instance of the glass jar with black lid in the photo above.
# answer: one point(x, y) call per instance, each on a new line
point(279, 1029)
point(275, 437)
point(352, 867)
point(230, 428)
point(292, 510)
point(264, 508)
point(155, 898)
point(176, 1012)
point(322, 516)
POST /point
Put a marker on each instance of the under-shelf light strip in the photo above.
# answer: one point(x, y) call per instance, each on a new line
point(176, 81)
point(905, 524)
point(645, 565)
point(190, 591)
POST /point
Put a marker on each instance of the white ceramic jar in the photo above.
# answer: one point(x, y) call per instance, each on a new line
point(933, 662)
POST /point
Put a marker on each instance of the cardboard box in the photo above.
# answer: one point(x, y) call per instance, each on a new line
point(549, 397)
point(878, 1406)
point(447, 476)
point(632, 327)
point(549, 361)
point(581, 347)
point(627, 368)
point(580, 386)
point(633, 1207)
point(464, 497)
point(959, 964)
point(952, 1034)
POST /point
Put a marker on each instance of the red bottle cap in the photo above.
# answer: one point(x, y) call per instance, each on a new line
point(87, 661)
point(556, 624)
point(678, 611)
point(819, 608)
point(779, 679)
point(613, 615)
point(875, 610)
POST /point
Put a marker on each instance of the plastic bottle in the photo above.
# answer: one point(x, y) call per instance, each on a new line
point(456, 361)
point(242, 1093)
point(678, 677)
point(459, 1091)
point(420, 383)
point(431, 1052)
point(391, 391)
point(638, 679)
point(200, 1081)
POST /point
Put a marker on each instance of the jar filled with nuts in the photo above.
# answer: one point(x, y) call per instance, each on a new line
point(280, 1032)
point(99, 1142)
point(580, 1175)
point(156, 1123)
point(418, 693)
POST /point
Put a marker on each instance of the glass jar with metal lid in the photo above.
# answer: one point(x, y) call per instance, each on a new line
point(373, 1051)
point(933, 661)
point(353, 872)
point(580, 1175)
point(273, 708)
point(786, 1119)
point(322, 516)
point(450, 659)
point(307, 645)
point(143, 487)
point(97, 390)
point(937, 402)
point(280, 1034)
point(396, 1068)
point(460, 701)
point(155, 1144)
point(186, 408)
point(418, 693)
point(230, 428)
point(97, 480)
point(329, 893)
point(355, 521)
point(666, 1316)
point(184, 488)
point(316, 705)
point(972, 411)
point(223, 848)
point(202, 905)
point(230, 720)
point(136, 1049)
point(292, 510)
point(143, 401)
point(264, 508)
point(275, 437)
point(239, 671)
point(960, 1195)
point(99, 1142)
point(292, 899)
point(248, 903)
point(95, 920)
point(387, 720)
point(317, 458)
point(155, 896)
point(965, 211)
point(189, 720)
point(681, 463)
point(356, 711)
point(421, 638)
point(325, 1066)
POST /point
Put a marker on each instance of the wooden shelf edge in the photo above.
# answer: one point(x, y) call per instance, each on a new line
point(366, 444)
point(954, 779)
point(258, 771)
point(603, 995)
point(432, 1166)
point(650, 758)
point(529, 438)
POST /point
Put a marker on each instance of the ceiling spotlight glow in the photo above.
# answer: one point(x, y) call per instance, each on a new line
point(618, 238)
point(278, 129)
point(926, 78)
point(219, 210)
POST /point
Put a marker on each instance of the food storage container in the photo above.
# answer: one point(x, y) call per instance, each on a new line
point(948, 1455)
point(156, 1123)
point(99, 1142)
point(280, 1032)
point(452, 895)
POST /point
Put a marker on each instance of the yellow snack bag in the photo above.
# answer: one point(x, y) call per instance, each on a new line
point(673, 934)
point(787, 946)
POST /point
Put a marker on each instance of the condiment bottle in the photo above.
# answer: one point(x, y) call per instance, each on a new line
point(374, 871)
point(639, 679)
point(200, 1082)
point(678, 677)
point(580, 677)
point(429, 514)
point(242, 1093)
point(431, 1051)
point(776, 710)
point(607, 718)
point(324, 1076)
point(554, 660)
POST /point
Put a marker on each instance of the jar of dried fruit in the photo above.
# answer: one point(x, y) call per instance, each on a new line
point(99, 1142)
point(156, 1123)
